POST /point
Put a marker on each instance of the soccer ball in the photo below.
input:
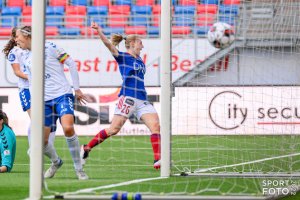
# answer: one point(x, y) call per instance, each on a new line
point(220, 35)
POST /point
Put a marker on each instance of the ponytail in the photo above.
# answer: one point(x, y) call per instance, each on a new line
point(11, 43)
point(117, 38)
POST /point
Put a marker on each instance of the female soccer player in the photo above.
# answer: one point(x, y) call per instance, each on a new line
point(132, 97)
point(59, 98)
point(7, 144)
point(15, 55)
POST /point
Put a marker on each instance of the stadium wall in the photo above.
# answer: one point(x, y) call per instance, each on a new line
point(217, 111)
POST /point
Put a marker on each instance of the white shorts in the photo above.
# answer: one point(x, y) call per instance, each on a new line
point(127, 106)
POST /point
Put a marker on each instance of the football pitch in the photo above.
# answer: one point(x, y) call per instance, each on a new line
point(121, 160)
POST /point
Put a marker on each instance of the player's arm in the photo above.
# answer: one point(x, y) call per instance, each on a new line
point(104, 39)
point(18, 72)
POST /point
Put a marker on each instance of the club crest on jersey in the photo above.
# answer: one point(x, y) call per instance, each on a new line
point(129, 102)
point(6, 152)
point(11, 57)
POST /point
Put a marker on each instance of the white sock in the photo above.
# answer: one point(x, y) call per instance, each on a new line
point(51, 138)
point(74, 148)
point(50, 152)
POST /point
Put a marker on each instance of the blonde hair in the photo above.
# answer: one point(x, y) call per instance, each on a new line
point(117, 38)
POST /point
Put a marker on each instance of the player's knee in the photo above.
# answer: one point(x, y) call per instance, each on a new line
point(69, 131)
point(155, 128)
point(114, 131)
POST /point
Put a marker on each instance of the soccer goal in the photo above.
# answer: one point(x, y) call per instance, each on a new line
point(229, 117)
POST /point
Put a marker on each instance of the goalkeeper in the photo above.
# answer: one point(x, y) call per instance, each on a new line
point(7, 144)
point(133, 95)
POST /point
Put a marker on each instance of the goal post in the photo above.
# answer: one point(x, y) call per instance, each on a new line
point(37, 100)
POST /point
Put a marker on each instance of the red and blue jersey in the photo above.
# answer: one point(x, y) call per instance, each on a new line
point(132, 71)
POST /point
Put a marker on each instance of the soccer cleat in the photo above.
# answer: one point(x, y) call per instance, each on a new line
point(84, 154)
point(81, 175)
point(156, 164)
point(52, 169)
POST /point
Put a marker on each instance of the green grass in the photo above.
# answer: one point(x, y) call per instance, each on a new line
point(122, 159)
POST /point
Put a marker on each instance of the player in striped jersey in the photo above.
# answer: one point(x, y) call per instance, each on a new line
point(132, 97)
point(15, 56)
point(59, 99)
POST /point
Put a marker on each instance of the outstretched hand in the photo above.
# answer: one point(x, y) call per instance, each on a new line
point(95, 26)
point(81, 98)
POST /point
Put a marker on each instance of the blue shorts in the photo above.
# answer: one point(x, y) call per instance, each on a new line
point(25, 99)
point(58, 107)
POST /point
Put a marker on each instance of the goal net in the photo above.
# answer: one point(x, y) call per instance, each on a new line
point(235, 114)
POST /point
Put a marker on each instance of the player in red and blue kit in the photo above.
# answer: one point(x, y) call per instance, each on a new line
point(132, 97)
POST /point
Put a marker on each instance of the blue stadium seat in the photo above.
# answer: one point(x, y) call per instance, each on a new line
point(153, 30)
point(210, 1)
point(69, 31)
point(184, 20)
point(201, 30)
point(143, 10)
point(185, 10)
point(228, 19)
point(232, 10)
point(10, 16)
point(140, 20)
point(97, 10)
point(55, 10)
point(111, 30)
point(100, 20)
point(123, 2)
point(79, 2)
point(0, 4)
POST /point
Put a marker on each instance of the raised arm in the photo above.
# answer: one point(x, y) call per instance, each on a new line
point(104, 39)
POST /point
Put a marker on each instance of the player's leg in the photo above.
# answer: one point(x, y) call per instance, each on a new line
point(65, 107)
point(147, 113)
point(49, 149)
point(24, 96)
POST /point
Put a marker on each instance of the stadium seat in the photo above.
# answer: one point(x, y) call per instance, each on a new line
point(227, 19)
point(75, 16)
point(101, 2)
point(207, 8)
point(184, 10)
point(5, 31)
point(181, 30)
point(51, 31)
point(210, 2)
point(206, 20)
point(55, 16)
point(139, 30)
point(143, 10)
point(88, 31)
point(153, 31)
point(184, 20)
point(111, 30)
point(9, 16)
point(144, 2)
point(117, 21)
point(15, 3)
point(231, 2)
point(232, 10)
point(188, 2)
point(156, 10)
point(119, 9)
point(26, 15)
point(122, 2)
point(69, 31)
point(79, 2)
point(0, 4)
point(201, 30)
point(58, 2)
point(97, 14)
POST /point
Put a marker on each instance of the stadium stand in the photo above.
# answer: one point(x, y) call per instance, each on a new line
point(70, 31)
point(5, 31)
point(139, 30)
point(51, 31)
point(189, 16)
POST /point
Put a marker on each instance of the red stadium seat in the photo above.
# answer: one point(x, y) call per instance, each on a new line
point(101, 3)
point(75, 16)
point(88, 31)
point(15, 3)
point(119, 9)
point(117, 21)
point(206, 20)
point(145, 2)
point(232, 2)
point(58, 3)
point(139, 30)
point(156, 9)
point(5, 31)
point(27, 10)
point(207, 8)
point(188, 2)
point(181, 30)
point(26, 15)
point(51, 31)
